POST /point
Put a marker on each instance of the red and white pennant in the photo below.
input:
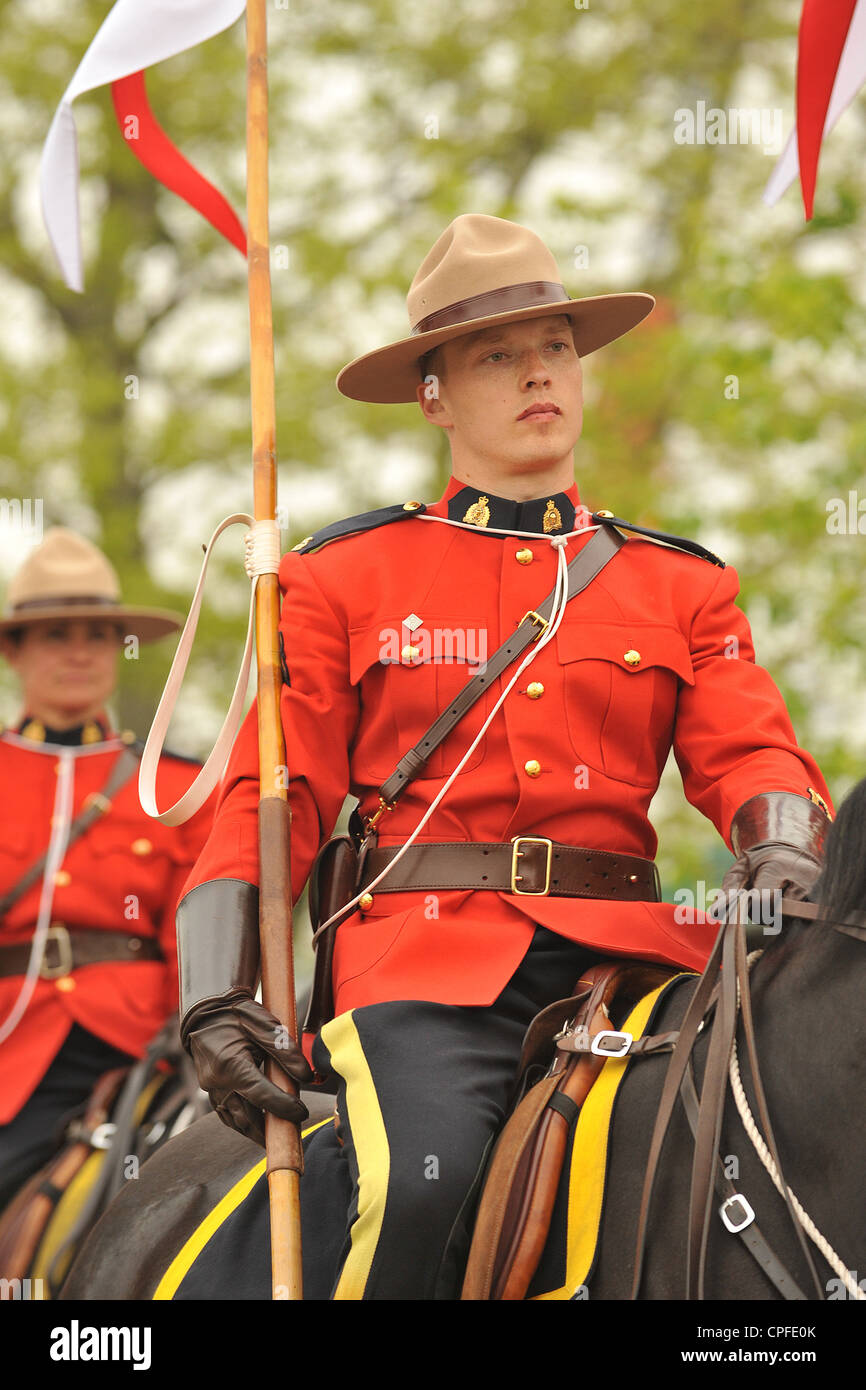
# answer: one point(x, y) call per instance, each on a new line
point(133, 37)
point(831, 69)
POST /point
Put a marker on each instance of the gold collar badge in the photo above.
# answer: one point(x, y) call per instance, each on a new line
point(479, 513)
point(551, 521)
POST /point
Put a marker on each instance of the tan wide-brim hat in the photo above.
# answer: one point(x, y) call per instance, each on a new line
point(483, 271)
point(67, 577)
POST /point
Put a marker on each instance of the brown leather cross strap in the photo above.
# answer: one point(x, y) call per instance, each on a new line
point(581, 571)
point(529, 866)
point(68, 950)
point(94, 806)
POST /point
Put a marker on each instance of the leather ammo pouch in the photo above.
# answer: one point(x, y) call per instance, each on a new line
point(335, 873)
point(332, 884)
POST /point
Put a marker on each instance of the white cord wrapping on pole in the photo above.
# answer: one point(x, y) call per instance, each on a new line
point(766, 1158)
point(261, 556)
point(262, 549)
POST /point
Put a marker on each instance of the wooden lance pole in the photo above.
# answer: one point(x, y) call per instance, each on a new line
point(283, 1140)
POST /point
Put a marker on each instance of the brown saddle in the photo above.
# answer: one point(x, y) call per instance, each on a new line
point(571, 1040)
point(25, 1219)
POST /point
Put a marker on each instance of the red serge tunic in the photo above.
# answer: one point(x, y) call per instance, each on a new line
point(577, 762)
point(125, 873)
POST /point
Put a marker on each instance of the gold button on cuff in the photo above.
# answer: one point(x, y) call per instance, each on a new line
point(602, 512)
point(535, 690)
point(412, 506)
point(409, 653)
point(64, 984)
point(141, 846)
point(631, 658)
point(365, 901)
point(532, 768)
point(524, 557)
point(62, 878)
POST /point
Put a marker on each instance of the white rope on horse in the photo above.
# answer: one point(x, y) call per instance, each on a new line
point(765, 1156)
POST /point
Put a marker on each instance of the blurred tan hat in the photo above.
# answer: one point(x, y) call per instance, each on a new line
point(67, 577)
point(482, 271)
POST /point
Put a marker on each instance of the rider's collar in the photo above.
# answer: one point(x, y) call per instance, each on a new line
point(93, 731)
point(550, 514)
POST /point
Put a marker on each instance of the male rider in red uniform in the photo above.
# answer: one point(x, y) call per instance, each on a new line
point(385, 618)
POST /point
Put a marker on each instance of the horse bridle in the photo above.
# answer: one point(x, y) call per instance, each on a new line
point(727, 993)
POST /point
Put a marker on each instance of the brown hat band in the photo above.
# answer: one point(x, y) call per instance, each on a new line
point(502, 301)
point(64, 599)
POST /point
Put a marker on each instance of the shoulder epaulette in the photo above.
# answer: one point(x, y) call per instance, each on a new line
point(353, 525)
point(662, 538)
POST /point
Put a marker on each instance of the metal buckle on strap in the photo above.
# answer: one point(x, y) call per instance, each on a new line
point(620, 1043)
point(742, 1218)
point(541, 623)
point(517, 853)
point(103, 1136)
point(372, 820)
point(57, 932)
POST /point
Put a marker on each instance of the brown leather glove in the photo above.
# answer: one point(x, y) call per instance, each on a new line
point(227, 1034)
point(228, 1038)
point(778, 839)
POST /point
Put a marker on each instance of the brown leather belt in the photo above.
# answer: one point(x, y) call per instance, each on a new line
point(530, 866)
point(67, 950)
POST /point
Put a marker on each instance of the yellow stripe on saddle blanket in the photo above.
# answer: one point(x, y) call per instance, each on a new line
point(586, 1164)
point(207, 1229)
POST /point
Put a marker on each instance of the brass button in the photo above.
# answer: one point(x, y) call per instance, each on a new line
point(409, 653)
point(62, 878)
point(631, 658)
point(524, 557)
point(141, 847)
point(535, 690)
point(532, 768)
point(602, 512)
point(412, 506)
point(64, 984)
point(127, 736)
point(365, 901)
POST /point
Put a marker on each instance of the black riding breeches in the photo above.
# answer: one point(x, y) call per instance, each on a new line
point(422, 1090)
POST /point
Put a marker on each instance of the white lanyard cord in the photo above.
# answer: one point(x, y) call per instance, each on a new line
point(560, 600)
point(60, 822)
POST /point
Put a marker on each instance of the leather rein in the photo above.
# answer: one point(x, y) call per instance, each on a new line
point(723, 988)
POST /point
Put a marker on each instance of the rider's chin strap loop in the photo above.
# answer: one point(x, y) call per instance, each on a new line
point(261, 557)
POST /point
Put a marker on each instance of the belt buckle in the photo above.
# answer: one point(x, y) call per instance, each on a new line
point(744, 1216)
point(618, 1046)
point(57, 933)
point(517, 853)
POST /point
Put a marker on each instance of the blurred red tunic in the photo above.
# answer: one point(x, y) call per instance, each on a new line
point(125, 873)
